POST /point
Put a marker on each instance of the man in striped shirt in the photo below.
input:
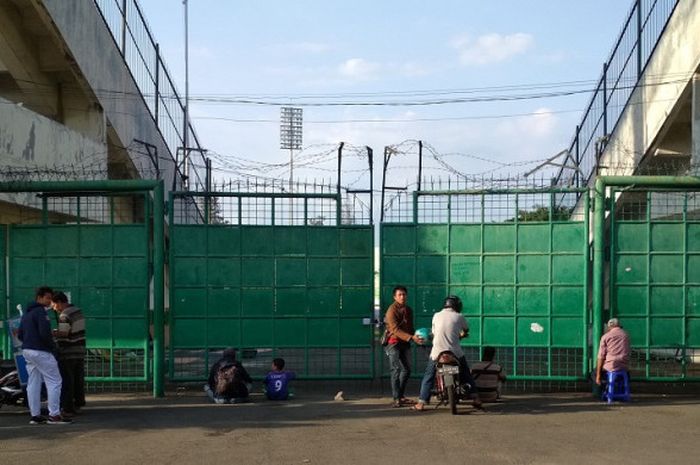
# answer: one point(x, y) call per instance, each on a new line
point(70, 338)
point(489, 376)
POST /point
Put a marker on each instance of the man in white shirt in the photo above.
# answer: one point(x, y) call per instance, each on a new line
point(449, 327)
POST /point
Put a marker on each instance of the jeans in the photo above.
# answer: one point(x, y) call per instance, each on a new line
point(73, 389)
point(42, 367)
point(428, 382)
point(400, 368)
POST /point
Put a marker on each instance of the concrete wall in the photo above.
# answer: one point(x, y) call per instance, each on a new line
point(99, 61)
point(653, 107)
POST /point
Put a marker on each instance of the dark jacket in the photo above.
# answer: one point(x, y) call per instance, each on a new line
point(238, 388)
point(399, 323)
point(35, 329)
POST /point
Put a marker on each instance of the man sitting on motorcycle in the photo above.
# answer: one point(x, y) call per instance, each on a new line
point(448, 328)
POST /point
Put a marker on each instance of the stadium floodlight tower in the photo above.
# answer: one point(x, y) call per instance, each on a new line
point(291, 135)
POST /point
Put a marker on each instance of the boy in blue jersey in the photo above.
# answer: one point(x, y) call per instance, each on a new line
point(277, 381)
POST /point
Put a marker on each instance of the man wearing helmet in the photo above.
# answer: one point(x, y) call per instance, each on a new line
point(448, 328)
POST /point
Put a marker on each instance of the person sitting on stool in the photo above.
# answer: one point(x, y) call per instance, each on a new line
point(614, 350)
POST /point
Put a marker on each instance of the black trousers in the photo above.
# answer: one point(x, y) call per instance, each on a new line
point(73, 388)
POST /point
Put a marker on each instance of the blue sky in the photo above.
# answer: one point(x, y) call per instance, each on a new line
point(282, 51)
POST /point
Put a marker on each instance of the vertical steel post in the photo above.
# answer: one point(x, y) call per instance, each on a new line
point(158, 292)
point(123, 44)
point(598, 263)
point(339, 205)
point(638, 6)
point(420, 162)
point(386, 162)
point(605, 100)
point(577, 157)
point(156, 85)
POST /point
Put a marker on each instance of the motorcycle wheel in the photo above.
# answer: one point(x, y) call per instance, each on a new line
point(452, 398)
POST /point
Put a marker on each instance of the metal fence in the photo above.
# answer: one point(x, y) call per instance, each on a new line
point(141, 53)
point(641, 32)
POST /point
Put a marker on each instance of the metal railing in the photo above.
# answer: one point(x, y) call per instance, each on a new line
point(641, 32)
point(141, 53)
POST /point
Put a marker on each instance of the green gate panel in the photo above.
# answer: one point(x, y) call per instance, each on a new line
point(128, 240)
point(322, 241)
point(499, 331)
point(567, 332)
point(353, 332)
point(666, 332)
point(223, 241)
point(499, 238)
point(398, 240)
point(95, 271)
point(693, 269)
point(223, 271)
point(474, 338)
point(631, 269)
point(290, 301)
point(568, 300)
point(533, 269)
point(533, 301)
point(290, 332)
point(665, 300)
point(94, 241)
point(431, 239)
point(568, 237)
point(693, 336)
point(62, 272)
point(290, 272)
point(189, 272)
point(693, 237)
point(191, 241)
point(257, 240)
point(465, 269)
point(130, 271)
point(223, 301)
point(431, 269)
point(99, 332)
point(356, 271)
point(465, 239)
point(637, 330)
point(189, 302)
point(26, 270)
point(324, 301)
point(533, 332)
point(5, 349)
point(323, 332)
point(533, 238)
point(323, 271)
point(632, 237)
point(567, 269)
point(130, 302)
point(97, 301)
point(399, 270)
point(257, 333)
point(128, 334)
point(667, 237)
point(290, 240)
point(222, 332)
point(27, 241)
point(471, 298)
point(357, 301)
point(257, 271)
point(499, 300)
point(666, 269)
point(692, 304)
point(499, 269)
point(190, 333)
point(63, 241)
point(257, 302)
point(631, 300)
point(356, 242)
point(428, 298)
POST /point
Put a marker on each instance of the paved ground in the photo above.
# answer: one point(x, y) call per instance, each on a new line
point(565, 429)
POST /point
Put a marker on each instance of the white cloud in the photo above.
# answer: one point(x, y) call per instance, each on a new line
point(491, 48)
point(359, 69)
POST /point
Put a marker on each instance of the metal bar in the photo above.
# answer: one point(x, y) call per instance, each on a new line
point(268, 195)
point(338, 206)
point(124, 26)
point(420, 163)
point(171, 288)
point(638, 6)
point(158, 290)
point(76, 186)
point(544, 190)
point(384, 166)
point(598, 262)
point(157, 86)
point(586, 283)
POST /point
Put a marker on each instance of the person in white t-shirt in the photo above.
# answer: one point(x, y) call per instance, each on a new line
point(449, 327)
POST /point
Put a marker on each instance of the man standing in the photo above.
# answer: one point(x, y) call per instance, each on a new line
point(38, 351)
point(70, 337)
point(399, 325)
point(614, 350)
point(449, 327)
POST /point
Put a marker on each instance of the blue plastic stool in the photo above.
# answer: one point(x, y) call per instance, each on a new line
point(618, 387)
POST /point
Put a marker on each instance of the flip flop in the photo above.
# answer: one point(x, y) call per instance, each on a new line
point(415, 408)
point(407, 401)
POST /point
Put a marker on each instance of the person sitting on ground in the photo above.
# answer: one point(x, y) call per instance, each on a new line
point(614, 350)
point(489, 376)
point(228, 381)
point(277, 381)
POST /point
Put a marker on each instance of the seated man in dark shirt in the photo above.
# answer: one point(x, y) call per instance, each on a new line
point(228, 381)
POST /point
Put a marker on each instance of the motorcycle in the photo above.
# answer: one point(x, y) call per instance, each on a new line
point(448, 389)
point(11, 391)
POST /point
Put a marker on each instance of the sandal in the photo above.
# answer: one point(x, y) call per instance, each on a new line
point(418, 407)
point(397, 404)
point(407, 401)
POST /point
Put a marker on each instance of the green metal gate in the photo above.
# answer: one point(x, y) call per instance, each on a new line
point(654, 279)
point(274, 275)
point(519, 264)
